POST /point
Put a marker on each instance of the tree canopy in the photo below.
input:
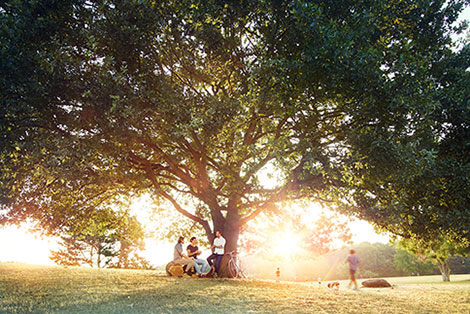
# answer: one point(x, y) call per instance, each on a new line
point(411, 264)
point(195, 101)
point(439, 250)
point(430, 197)
point(108, 238)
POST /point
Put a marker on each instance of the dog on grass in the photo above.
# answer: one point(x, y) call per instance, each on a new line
point(334, 284)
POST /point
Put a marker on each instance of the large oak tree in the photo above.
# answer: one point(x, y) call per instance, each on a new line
point(194, 101)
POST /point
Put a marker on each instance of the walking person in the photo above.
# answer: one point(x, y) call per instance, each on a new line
point(353, 261)
point(218, 253)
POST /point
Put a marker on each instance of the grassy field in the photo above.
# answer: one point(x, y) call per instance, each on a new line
point(50, 289)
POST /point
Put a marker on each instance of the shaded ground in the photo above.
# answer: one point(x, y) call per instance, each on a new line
point(50, 289)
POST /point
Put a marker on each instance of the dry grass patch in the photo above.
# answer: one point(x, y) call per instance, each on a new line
point(50, 289)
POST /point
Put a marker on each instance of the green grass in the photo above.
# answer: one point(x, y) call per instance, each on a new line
point(50, 289)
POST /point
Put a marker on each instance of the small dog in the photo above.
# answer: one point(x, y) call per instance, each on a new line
point(334, 284)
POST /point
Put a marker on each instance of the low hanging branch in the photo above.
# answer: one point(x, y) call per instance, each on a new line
point(151, 176)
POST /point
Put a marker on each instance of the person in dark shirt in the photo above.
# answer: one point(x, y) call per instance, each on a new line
point(193, 249)
point(201, 264)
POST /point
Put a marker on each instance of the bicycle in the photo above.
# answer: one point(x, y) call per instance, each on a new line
point(234, 268)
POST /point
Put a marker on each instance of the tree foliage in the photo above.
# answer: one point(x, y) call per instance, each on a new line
point(438, 250)
point(192, 101)
point(412, 264)
point(106, 239)
point(429, 197)
point(381, 260)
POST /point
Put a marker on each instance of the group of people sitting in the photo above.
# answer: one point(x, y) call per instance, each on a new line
point(190, 257)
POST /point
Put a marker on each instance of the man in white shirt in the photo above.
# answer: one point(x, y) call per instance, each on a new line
point(218, 247)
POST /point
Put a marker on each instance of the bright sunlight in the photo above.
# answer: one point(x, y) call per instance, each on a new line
point(288, 244)
point(20, 245)
point(279, 239)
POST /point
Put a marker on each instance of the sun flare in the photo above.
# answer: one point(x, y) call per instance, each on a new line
point(289, 244)
point(20, 245)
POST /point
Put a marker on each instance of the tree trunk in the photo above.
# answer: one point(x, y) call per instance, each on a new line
point(98, 256)
point(230, 233)
point(91, 256)
point(444, 267)
point(123, 261)
point(223, 269)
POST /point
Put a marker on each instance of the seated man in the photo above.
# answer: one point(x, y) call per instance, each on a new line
point(193, 251)
point(180, 258)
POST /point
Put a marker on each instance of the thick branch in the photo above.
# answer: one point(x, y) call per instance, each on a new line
point(173, 164)
point(156, 184)
point(178, 207)
point(280, 194)
point(255, 213)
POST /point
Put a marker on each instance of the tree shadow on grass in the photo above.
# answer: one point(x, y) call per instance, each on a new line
point(161, 294)
point(181, 295)
point(463, 282)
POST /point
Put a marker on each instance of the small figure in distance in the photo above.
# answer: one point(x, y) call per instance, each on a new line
point(353, 261)
point(319, 280)
point(218, 247)
point(278, 275)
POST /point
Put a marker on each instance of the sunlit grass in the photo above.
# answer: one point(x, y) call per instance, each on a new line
point(49, 289)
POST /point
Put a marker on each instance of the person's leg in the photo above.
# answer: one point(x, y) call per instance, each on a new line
point(189, 264)
point(179, 261)
point(206, 268)
point(350, 278)
point(198, 262)
point(354, 280)
point(185, 262)
point(211, 258)
point(217, 263)
point(201, 266)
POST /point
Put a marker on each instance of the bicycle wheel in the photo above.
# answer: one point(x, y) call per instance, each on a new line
point(232, 268)
point(241, 273)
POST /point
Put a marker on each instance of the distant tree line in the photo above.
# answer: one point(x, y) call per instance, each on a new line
point(108, 238)
point(385, 260)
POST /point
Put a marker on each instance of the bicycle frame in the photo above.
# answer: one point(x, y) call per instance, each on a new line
point(234, 267)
